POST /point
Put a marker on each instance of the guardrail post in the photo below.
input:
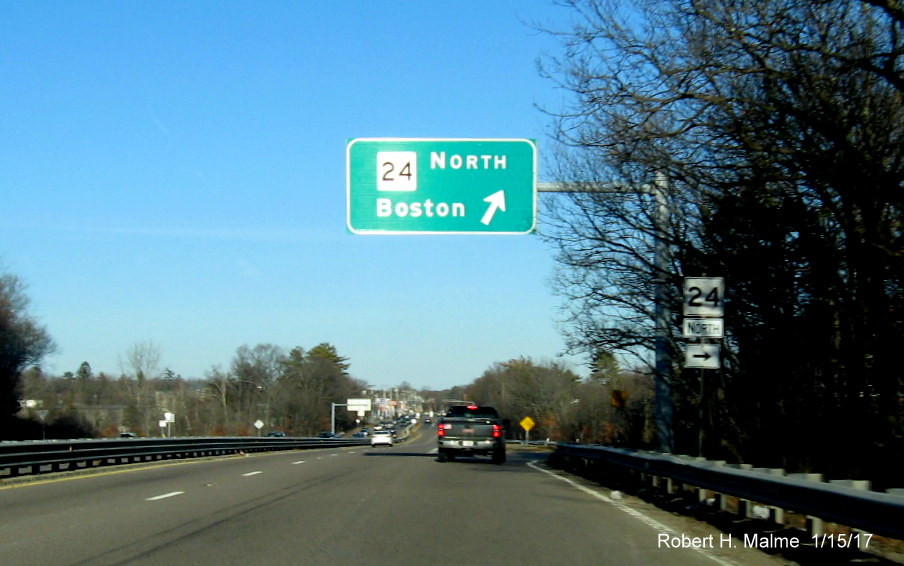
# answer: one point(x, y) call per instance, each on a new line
point(701, 493)
point(745, 507)
point(722, 502)
point(864, 485)
point(815, 525)
point(776, 514)
point(719, 499)
point(669, 486)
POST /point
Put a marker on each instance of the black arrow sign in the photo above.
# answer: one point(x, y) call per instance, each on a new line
point(704, 356)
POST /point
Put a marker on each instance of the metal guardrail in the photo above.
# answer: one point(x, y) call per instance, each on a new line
point(870, 511)
point(31, 458)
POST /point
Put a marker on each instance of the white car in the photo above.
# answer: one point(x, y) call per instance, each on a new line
point(381, 437)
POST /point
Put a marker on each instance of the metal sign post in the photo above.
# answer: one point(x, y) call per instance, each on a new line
point(527, 423)
point(661, 310)
point(333, 415)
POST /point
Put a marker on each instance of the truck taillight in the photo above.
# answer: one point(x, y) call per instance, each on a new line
point(497, 431)
point(441, 429)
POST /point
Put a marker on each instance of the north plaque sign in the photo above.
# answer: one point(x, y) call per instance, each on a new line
point(441, 186)
point(703, 328)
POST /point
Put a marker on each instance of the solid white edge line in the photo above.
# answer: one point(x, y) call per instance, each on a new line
point(164, 496)
point(650, 522)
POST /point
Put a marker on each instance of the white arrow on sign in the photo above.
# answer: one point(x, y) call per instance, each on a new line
point(497, 202)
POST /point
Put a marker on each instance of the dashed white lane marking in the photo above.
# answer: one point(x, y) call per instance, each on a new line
point(249, 474)
point(299, 462)
point(165, 496)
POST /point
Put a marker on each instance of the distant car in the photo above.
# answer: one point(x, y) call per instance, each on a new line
point(383, 437)
point(276, 434)
point(128, 435)
point(328, 434)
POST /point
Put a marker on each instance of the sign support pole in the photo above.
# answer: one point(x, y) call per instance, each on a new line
point(333, 415)
point(661, 312)
point(527, 423)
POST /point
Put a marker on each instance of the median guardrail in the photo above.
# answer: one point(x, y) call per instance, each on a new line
point(873, 512)
point(30, 458)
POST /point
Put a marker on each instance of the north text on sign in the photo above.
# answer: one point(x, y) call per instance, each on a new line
point(703, 328)
point(455, 161)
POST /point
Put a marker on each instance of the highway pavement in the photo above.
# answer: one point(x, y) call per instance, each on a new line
point(349, 506)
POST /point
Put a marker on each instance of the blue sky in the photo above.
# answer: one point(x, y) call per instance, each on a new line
point(174, 172)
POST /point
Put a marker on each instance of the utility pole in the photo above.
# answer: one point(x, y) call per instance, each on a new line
point(663, 362)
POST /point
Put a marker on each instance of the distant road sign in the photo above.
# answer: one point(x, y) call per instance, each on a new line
point(703, 328)
point(527, 423)
point(704, 356)
point(704, 296)
point(441, 186)
point(358, 404)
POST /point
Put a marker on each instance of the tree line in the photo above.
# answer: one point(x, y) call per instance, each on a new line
point(288, 391)
point(777, 126)
point(611, 406)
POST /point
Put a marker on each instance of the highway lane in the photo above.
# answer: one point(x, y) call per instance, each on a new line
point(339, 506)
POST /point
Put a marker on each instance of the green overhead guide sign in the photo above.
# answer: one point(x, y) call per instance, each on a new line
point(441, 186)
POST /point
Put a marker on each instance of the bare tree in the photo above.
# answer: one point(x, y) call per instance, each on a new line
point(254, 373)
point(778, 124)
point(520, 388)
point(218, 384)
point(141, 367)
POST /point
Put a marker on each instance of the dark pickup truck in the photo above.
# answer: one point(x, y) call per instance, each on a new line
point(471, 430)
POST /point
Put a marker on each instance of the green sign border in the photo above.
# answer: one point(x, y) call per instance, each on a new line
point(445, 186)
